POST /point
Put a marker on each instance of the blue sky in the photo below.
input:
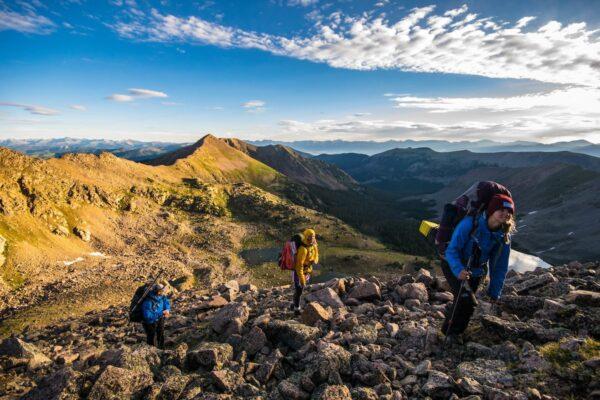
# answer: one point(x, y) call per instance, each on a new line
point(300, 69)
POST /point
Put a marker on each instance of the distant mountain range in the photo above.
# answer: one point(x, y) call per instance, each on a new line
point(140, 151)
point(130, 149)
point(480, 146)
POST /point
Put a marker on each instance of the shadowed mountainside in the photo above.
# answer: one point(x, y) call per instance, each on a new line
point(556, 193)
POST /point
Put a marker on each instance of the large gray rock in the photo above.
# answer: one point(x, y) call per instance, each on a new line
point(438, 385)
point(209, 355)
point(226, 380)
point(486, 372)
point(364, 334)
point(365, 290)
point(230, 319)
point(425, 277)
point(63, 384)
point(291, 333)
point(292, 390)
point(584, 298)
point(522, 305)
point(141, 358)
point(254, 340)
point(332, 392)
point(416, 291)
point(329, 358)
point(314, 312)
point(525, 286)
point(17, 348)
point(327, 297)
point(119, 383)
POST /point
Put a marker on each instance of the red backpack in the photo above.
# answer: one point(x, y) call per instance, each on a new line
point(287, 257)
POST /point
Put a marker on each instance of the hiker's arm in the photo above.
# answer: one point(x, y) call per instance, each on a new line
point(167, 305)
point(498, 273)
point(316, 255)
point(299, 265)
point(460, 238)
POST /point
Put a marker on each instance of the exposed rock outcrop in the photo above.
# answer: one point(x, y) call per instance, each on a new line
point(384, 344)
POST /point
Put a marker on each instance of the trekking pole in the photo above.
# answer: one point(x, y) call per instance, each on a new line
point(148, 289)
point(457, 299)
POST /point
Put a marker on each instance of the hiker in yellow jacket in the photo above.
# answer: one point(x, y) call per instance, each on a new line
point(307, 254)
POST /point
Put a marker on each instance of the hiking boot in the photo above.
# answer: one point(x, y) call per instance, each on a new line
point(454, 339)
point(297, 310)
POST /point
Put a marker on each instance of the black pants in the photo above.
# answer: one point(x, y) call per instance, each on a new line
point(297, 293)
point(155, 333)
point(465, 303)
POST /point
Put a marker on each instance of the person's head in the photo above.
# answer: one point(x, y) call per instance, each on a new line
point(500, 213)
point(310, 236)
point(159, 289)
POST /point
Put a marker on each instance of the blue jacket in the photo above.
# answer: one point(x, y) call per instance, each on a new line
point(493, 250)
point(153, 307)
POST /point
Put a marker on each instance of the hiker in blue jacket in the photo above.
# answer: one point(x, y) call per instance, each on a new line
point(478, 243)
point(155, 309)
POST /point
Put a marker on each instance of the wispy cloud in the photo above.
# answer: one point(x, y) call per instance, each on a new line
point(579, 100)
point(78, 107)
point(29, 22)
point(453, 41)
point(134, 94)
point(33, 109)
point(549, 127)
point(254, 106)
point(302, 3)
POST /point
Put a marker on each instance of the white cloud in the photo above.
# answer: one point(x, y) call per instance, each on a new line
point(33, 109)
point(524, 21)
point(302, 3)
point(26, 23)
point(121, 98)
point(450, 42)
point(577, 100)
point(134, 94)
point(146, 93)
point(78, 107)
point(254, 106)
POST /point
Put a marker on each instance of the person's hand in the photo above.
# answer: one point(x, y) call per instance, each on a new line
point(166, 313)
point(464, 275)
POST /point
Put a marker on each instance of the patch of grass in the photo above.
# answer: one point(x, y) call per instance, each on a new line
point(268, 274)
point(569, 364)
point(258, 241)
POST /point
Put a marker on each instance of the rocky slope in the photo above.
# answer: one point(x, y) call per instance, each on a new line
point(355, 339)
point(297, 167)
point(77, 233)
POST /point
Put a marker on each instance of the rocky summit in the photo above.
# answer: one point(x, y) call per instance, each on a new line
point(355, 339)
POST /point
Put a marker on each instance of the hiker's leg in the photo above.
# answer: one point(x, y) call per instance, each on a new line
point(150, 333)
point(297, 295)
point(297, 289)
point(466, 307)
point(454, 284)
point(160, 333)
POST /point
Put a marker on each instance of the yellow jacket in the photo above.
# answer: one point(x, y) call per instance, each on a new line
point(306, 256)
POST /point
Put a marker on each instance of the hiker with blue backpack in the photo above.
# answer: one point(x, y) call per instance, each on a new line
point(299, 255)
point(480, 242)
point(155, 308)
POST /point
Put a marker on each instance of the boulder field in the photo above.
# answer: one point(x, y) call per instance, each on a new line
point(356, 338)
